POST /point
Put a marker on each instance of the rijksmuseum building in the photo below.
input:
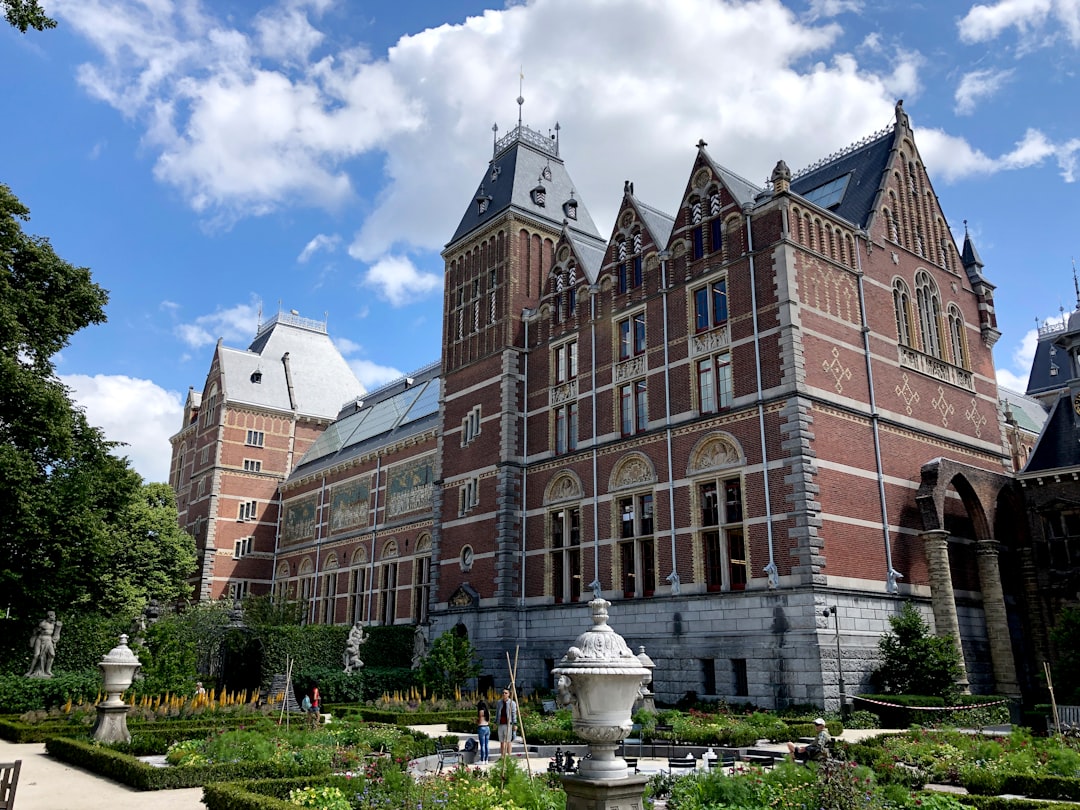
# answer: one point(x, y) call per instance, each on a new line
point(758, 421)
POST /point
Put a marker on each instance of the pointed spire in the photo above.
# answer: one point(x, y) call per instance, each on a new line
point(970, 256)
point(1076, 285)
point(521, 92)
point(494, 139)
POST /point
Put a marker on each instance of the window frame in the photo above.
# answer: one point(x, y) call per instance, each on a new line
point(722, 535)
point(711, 305)
point(255, 438)
point(637, 543)
point(715, 382)
point(564, 526)
point(632, 336)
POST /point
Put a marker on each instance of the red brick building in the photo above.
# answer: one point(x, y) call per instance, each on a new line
point(723, 420)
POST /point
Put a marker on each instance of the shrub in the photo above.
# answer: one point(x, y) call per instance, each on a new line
point(914, 660)
point(19, 694)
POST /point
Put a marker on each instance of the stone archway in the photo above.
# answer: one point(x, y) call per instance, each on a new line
point(972, 513)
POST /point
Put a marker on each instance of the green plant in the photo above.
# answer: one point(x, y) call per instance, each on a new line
point(913, 660)
point(323, 797)
point(449, 664)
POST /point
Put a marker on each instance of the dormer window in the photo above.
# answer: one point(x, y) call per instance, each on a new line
point(483, 200)
point(495, 172)
point(256, 376)
point(570, 208)
point(546, 173)
point(539, 196)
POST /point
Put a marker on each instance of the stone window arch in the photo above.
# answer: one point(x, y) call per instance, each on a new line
point(902, 308)
point(562, 570)
point(928, 307)
point(634, 564)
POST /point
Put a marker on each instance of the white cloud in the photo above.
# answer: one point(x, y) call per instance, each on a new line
point(832, 8)
point(396, 279)
point(1031, 19)
point(1014, 382)
point(372, 375)
point(953, 158)
point(236, 325)
point(319, 242)
point(346, 346)
point(978, 85)
point(136, 412)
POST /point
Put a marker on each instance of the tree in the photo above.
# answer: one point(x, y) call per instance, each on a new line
point(915, 662)
point(1066, 670)
point(81, 533)
point(23, 14)
point(449, 664)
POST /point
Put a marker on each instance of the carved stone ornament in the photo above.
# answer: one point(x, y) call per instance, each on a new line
point(564, 488)
point(709, 342)
point(717, 452)
point(632, 472)
point(600, 678)
point(463, 597)
point(629, 370)
point(702, 178)
point(626, 220)
point(563, 393)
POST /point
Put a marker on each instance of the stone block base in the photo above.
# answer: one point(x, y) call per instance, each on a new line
point(583, 793)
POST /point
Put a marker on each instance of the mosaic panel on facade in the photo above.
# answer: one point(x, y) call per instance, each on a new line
point(350, 506)
point(299, 523)
point(410, 488)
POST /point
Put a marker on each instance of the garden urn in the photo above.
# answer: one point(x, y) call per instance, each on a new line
point(600, 679)
point(118, 668)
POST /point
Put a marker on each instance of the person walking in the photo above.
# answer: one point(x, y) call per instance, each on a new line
point(506, 712)
point(483, 729)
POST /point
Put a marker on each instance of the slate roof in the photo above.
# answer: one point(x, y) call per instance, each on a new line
point(403, 408)
point(864, 166)
point(1059, 445)
point(740, 188)
point(590, 251)
point(518, 167)
point(1050, 367)
point(1029, 413)
point(660, 225)
point(322, 380)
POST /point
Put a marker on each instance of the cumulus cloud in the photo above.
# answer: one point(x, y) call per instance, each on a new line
point(371, 375)
point(1039, 23)
point(978, 85)
point(236, 325)
point(953, 158)
point(319, 242)
point(397, 280)
point(832, 8)
point(136, 412)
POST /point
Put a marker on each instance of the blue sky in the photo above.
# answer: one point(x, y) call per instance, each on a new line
point(206, 159)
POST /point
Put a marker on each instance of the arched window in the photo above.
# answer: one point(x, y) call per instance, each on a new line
point(957, 338)
point(928, 304)
point(902, 305)
point(210, 406)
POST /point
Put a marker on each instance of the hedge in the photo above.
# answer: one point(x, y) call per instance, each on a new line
point(983, 782)
point(19, 694)
point(902, 714)
point(266, 794)
point(131, 771)
point(1000, 803)
point(393, 718)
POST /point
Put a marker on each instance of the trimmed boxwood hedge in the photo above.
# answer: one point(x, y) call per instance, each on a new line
point(266, 794)
point(1000, 803)
point(405, 718)
point(131, 771)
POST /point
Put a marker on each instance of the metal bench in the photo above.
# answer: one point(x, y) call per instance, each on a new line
point(681, 765)
point(9, 780)
point(448, 756)
point(724, 759)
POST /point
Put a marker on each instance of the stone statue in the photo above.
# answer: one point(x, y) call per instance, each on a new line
point(43, 643)
point(419, 646)
point(352, 648)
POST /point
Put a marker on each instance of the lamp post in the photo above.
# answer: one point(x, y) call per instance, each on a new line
point(834, 612)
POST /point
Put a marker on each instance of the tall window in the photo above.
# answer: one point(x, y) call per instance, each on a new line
point(389, 593)
point(957, 338)
point(329, 600)
point(633, 408)
point(470, 426)
point(357, 591)
point(242, 547)
point(565, 362)
point(247, 511)
point(632, 336)
point(469, 495)
point(929, 306)
point(421, 588)
point(722, 536)
point(710, 306)
point(902, 306)
point(566, 554)
point(714, 382)
point(566, 428)
point(637, 549)
point(209, 409)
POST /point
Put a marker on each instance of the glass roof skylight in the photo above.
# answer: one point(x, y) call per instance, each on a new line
point(830, 193)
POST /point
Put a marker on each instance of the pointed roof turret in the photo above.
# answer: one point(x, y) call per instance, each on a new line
point(969, 255)
point(526, 175)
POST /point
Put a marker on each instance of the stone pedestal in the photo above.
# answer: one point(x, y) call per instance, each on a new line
point(583, 793)
point(111, 725)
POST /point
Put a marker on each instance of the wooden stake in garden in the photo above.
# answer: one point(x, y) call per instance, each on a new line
point(285, 697)
point(1053, 702)
point(514, 696)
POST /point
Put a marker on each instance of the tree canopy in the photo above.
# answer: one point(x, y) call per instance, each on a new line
point(24, 14)
point(81, 531)
point(914, 662)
